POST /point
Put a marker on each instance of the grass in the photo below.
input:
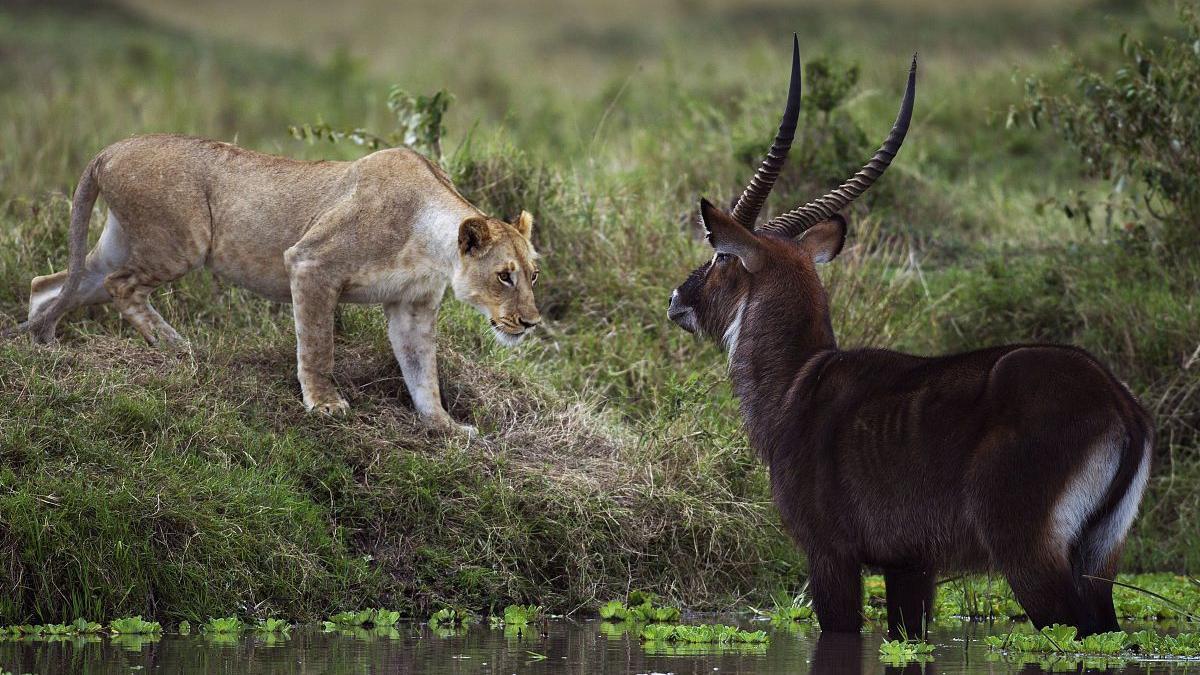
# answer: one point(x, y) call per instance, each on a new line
point(186, 486)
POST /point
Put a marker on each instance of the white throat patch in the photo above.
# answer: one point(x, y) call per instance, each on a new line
point(734, 331)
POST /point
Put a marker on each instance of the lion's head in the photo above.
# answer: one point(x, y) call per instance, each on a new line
point(496, 273)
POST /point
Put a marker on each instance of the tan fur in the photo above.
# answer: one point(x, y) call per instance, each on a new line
point(388, 229)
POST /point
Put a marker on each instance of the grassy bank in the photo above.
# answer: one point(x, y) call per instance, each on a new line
point(187, 486)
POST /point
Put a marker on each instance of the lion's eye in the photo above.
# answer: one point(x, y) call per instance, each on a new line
point(505, 278)
point(533, 279)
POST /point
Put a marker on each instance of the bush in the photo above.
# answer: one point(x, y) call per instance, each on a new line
point(1139, 128)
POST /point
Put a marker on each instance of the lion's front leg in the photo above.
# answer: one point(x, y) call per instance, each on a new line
point(314, 297)
point(412, 329)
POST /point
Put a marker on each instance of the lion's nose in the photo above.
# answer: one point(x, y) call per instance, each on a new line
point(530, 323)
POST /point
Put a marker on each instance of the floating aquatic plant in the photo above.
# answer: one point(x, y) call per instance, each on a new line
point(639, 608)
point(900, 652)
point(134, 625)
point(84, 627)
point(385, 618)
point(701, 634)
point(791, 614)
point(520, 615)
point(449, 617)
point(352, 619)
point(272, 625)
point(227, 625)
point(1062, 640)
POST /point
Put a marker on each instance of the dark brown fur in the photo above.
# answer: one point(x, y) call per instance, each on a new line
point(918, 466)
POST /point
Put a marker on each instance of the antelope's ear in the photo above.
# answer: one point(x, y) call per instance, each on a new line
point(524, 224)
point(823, 241)
point(474, 235)
point(728, 236)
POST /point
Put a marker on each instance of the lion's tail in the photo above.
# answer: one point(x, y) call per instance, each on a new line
point(81, 214)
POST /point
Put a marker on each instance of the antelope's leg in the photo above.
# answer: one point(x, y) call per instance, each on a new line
point(1048, 594)
point(909, 602)
point(836, 586)
point(839, 654)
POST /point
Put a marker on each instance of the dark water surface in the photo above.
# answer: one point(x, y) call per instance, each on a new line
point(566, 647)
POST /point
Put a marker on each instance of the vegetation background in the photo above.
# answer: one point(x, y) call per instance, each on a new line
point(193, 485)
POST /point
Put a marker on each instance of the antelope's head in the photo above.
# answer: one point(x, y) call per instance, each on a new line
point(772, 266)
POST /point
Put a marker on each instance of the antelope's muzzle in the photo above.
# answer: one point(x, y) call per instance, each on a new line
point(683, 315)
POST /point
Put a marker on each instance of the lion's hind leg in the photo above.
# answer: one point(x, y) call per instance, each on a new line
point(130, 288)
point(154, 248)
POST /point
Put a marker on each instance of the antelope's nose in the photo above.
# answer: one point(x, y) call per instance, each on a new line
point(674, 311)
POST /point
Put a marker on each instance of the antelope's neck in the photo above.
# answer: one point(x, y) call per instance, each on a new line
point(772, 354)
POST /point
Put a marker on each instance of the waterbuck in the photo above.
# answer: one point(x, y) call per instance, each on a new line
point(1027, 459)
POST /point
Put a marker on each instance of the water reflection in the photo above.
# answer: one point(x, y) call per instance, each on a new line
point(559, 646)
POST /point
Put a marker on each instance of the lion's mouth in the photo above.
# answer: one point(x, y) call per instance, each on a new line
point(508, 335)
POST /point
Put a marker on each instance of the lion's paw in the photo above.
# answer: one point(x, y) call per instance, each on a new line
point(337, 406)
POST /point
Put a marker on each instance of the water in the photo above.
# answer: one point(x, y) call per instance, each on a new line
point(573, 647)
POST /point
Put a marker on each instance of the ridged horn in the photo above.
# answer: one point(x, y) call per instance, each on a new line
point(748, 206)
point(797, 220)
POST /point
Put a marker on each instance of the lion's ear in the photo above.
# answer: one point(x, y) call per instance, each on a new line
point(524, 224)
point(474, 235)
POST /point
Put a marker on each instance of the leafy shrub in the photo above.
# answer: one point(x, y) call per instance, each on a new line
point(420, 124)
point(1139, 127)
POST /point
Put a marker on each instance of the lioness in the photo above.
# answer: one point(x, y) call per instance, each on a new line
point(388, 228)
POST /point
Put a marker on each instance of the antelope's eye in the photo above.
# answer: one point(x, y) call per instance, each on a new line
point(534, 276)
point(505, 278)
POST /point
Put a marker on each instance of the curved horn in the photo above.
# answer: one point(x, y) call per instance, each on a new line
point(797, 220)
point(746, 209)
